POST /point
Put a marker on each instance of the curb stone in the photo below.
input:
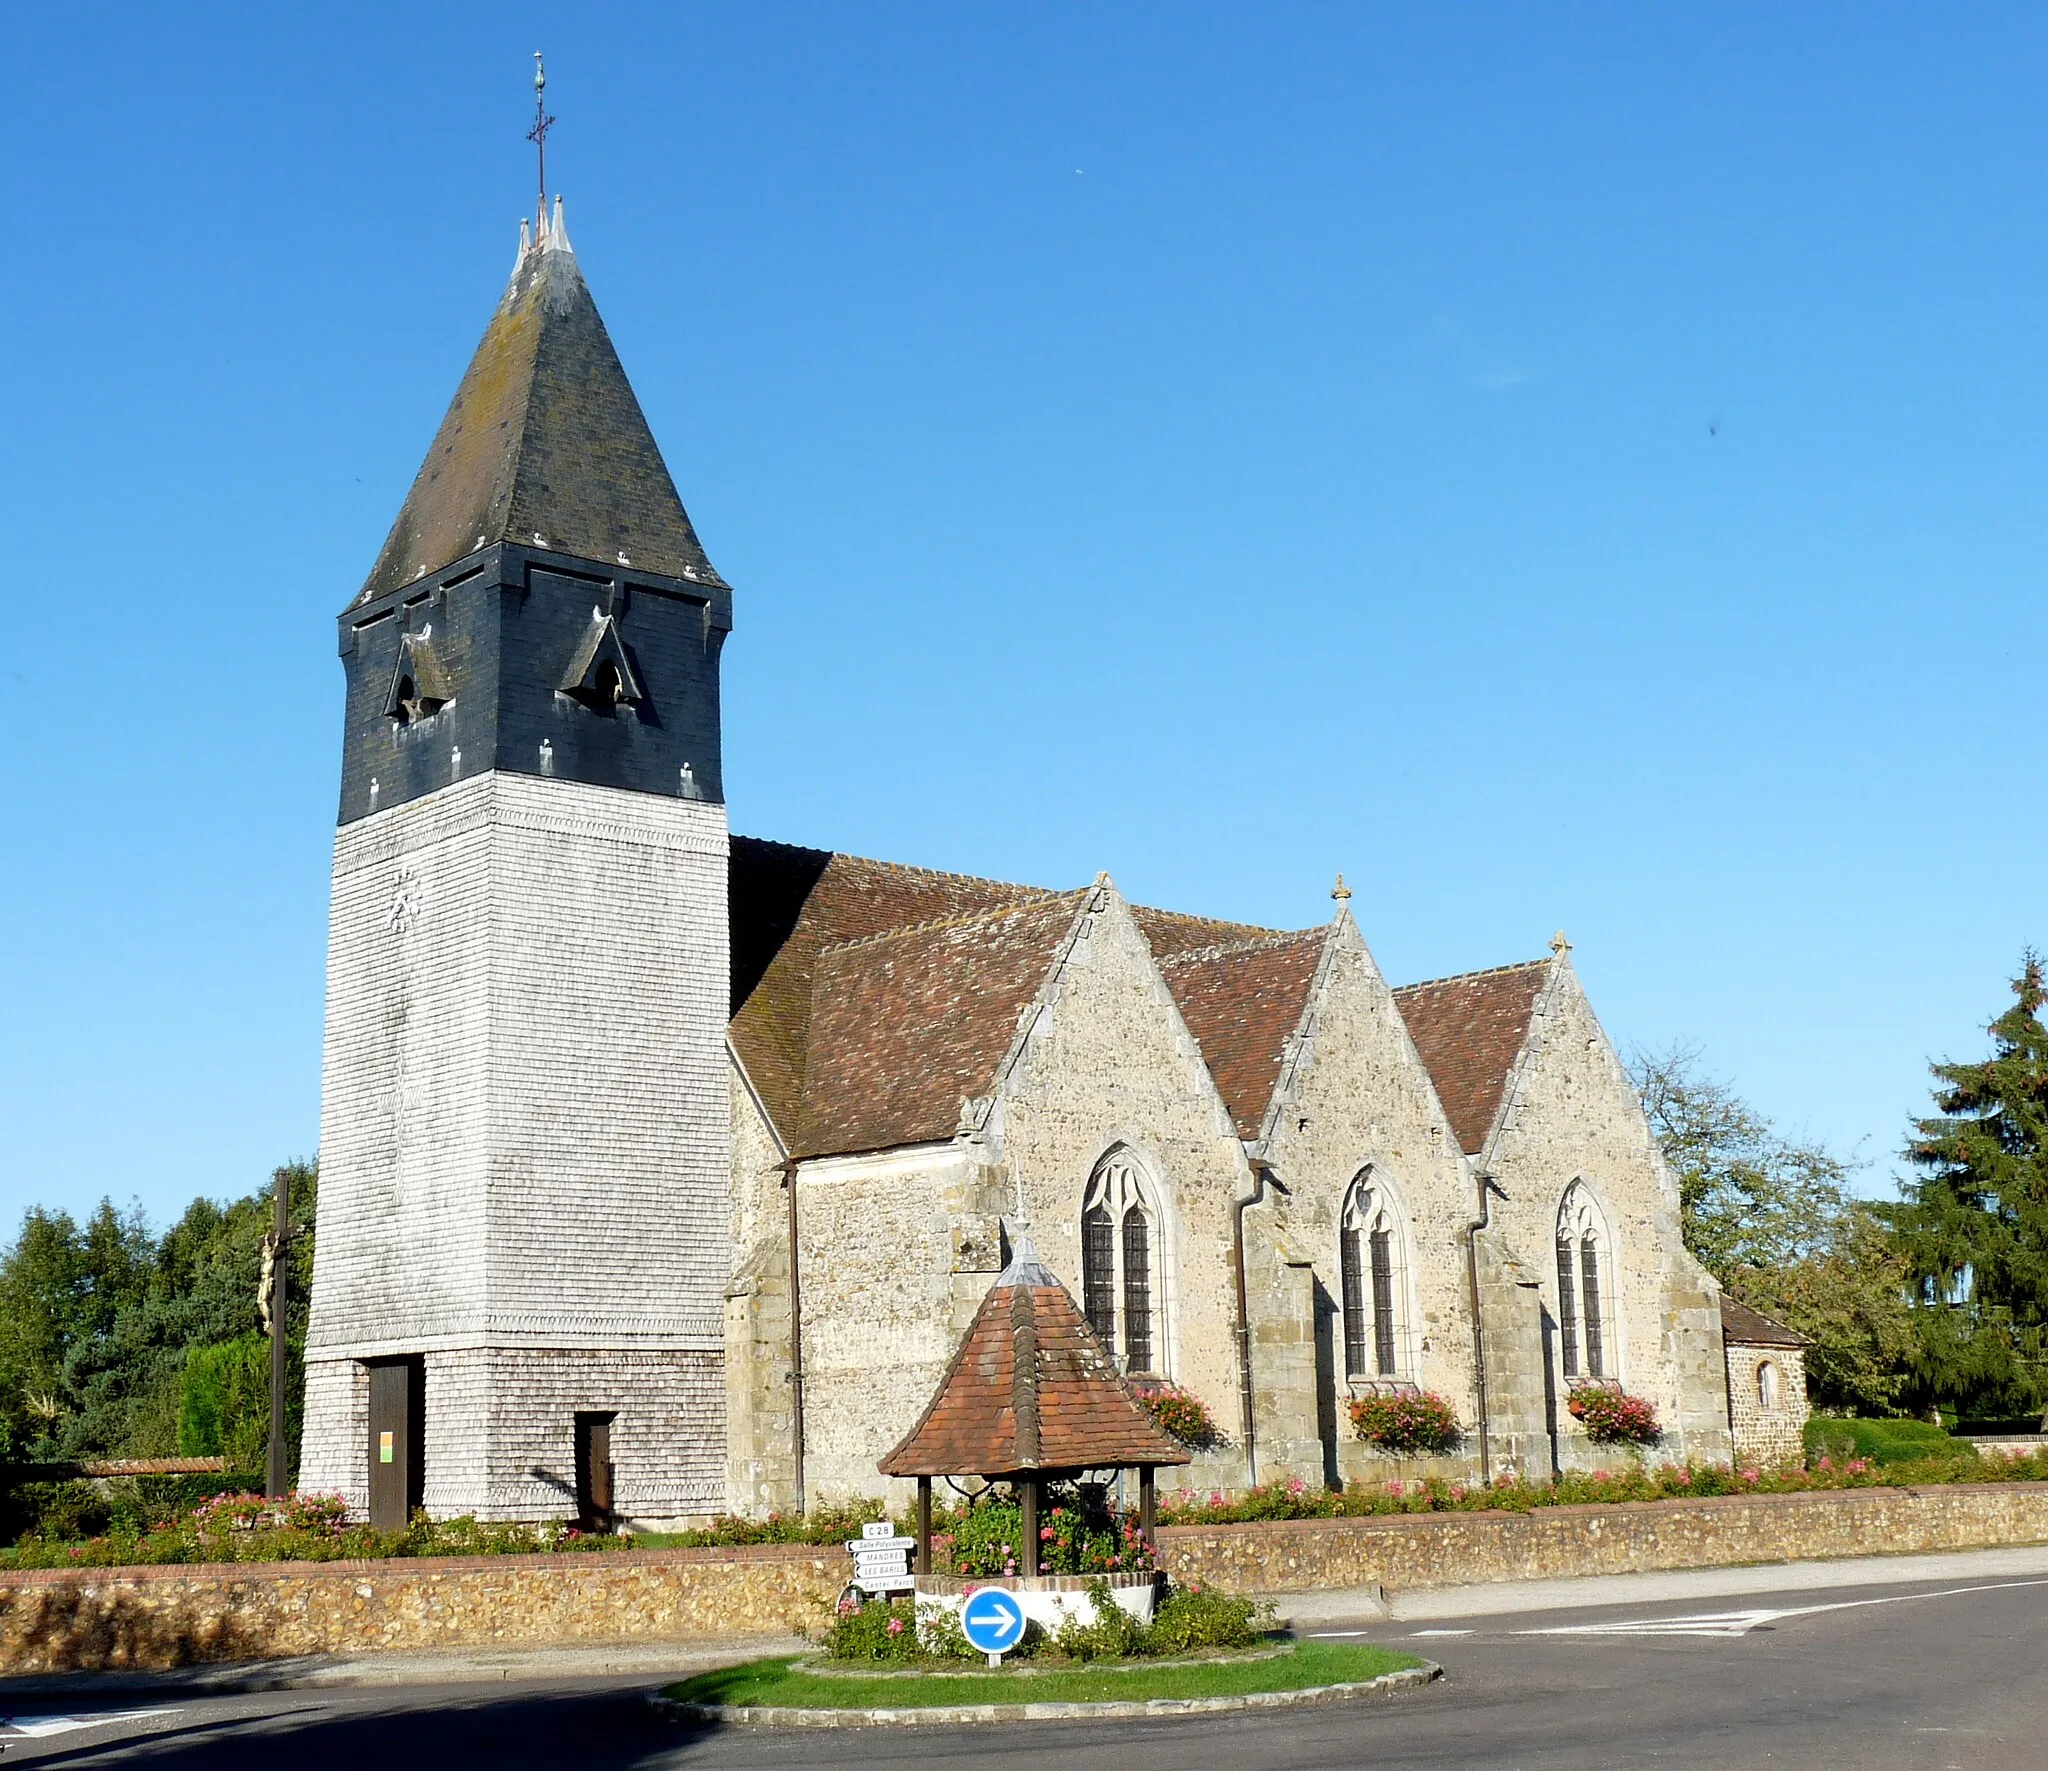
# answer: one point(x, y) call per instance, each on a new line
point(956, 1714)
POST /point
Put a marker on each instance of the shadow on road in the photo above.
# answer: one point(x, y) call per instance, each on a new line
point(471, 1726)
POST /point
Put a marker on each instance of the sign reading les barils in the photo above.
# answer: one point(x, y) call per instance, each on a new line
point(881, 1559)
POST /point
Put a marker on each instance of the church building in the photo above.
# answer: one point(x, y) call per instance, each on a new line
point(663, 1170)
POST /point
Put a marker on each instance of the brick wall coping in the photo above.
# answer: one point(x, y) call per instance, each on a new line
point(594, 1560)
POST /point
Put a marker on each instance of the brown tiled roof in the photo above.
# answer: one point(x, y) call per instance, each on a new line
point(905, 1026)
point(544, 437)
point(1745, 1327)
point(1243, 1002)
point(1169, 932)
point(1031, 1388)
point(1469, 1030)
point(787, 905)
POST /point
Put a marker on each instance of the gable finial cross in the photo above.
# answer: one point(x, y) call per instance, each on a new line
point(538, 134)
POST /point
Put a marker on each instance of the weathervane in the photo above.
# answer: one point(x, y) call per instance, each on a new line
point(538, 134)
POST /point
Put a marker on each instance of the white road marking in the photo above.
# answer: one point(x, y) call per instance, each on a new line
point(1740, 1623)
point(1437, 1632)
point(37, 1727)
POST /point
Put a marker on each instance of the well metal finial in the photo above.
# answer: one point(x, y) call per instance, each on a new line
point(538, 135)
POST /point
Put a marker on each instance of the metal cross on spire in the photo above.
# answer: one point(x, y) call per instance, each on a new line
point(538, 134)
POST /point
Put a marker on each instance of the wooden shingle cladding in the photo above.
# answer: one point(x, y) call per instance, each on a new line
point(1031, 1388)
point(1468, 1031)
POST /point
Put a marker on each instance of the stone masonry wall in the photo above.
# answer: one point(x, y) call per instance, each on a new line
point(1572, 1114)
point(1456, 1549)
point(1767, 1436)
point(1360, 1100)
point(1106, 1060)
point(62, 1621)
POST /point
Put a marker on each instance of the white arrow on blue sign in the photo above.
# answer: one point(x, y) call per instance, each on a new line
point(992, 1621)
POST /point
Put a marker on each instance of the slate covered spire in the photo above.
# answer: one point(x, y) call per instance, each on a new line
point(545, 444)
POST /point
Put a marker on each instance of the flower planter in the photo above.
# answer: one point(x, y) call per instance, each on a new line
point(1048, 1599)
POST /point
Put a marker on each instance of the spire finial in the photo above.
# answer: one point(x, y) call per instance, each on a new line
point(1559, 945)
point(538, 134)
point(1341, 892)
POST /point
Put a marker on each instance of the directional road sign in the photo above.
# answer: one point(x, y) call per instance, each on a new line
point(992, 1621)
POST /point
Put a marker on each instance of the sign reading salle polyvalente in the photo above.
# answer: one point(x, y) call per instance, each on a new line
point(881, 1559)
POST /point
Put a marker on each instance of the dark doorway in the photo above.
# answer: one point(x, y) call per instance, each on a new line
point(594, 1472)
point(398, 1465)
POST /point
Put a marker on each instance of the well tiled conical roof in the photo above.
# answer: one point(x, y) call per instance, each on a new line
point(1031, 1388)
point(545, 445)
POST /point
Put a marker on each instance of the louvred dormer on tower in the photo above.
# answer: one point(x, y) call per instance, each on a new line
point(542, 605)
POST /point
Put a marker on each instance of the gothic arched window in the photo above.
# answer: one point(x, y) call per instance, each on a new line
point(1585, 1287)
point(1373, 1264)
point(1121, 1252)
point(1768, 1391)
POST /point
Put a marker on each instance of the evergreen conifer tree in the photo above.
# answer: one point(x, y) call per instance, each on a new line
point(1974, 1221)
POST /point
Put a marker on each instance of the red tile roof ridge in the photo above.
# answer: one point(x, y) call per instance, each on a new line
point(1254, 944)
point(1487, 971)
point(982, 879)
point(1243, 930)
point(993, 913)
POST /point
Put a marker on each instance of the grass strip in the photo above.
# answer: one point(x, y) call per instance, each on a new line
point(762, 1682)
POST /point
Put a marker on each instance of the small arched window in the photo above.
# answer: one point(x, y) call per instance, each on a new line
point(1585, 1287)
point(1372, 1261)
point(1120, 1255)
point(1769, 1387)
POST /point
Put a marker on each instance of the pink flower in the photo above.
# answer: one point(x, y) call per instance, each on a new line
point(1046, 1534)
point(895, 1626)
point(1397, 1489)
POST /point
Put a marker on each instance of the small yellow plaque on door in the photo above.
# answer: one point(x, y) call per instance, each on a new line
point(383, 1448)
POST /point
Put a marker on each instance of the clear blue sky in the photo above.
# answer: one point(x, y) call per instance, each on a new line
point(1571, 466)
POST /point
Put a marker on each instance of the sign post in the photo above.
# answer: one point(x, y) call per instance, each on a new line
point(881, 1559)
point(992, 1620)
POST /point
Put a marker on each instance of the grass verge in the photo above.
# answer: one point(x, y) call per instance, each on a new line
point(763, 1682)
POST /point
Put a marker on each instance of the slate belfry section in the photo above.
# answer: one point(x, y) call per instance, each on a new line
point(524, 1135)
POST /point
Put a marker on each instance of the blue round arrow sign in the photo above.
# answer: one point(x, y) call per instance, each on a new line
point(992, 1621)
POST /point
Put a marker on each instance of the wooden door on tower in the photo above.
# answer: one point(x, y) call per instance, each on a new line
point(397, 1442)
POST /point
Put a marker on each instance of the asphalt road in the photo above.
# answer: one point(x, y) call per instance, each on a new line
point(1918, 1677)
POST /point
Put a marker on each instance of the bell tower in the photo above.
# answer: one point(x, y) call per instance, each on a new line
point(522, 1244)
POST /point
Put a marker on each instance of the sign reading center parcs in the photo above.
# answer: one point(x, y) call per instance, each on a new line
point(881, 1559)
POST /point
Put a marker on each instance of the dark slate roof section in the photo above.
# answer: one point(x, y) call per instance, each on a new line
point(787, 905)
point(1243, 1002)
point(906, 1026)
point(1031, 1388)
point(545, 445)
point(1743, 1327)
point(1469, 1030)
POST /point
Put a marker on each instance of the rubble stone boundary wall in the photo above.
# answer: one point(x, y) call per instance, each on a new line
point(91, 1619)
point(1409, 1551)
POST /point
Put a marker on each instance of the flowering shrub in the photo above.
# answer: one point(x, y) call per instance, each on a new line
point(1181, 1414)
point(1079, 1532)
point(1612, 1416)
point(1417, 1421)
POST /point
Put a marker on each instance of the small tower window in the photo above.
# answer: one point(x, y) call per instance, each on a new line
point(1769, 1390)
